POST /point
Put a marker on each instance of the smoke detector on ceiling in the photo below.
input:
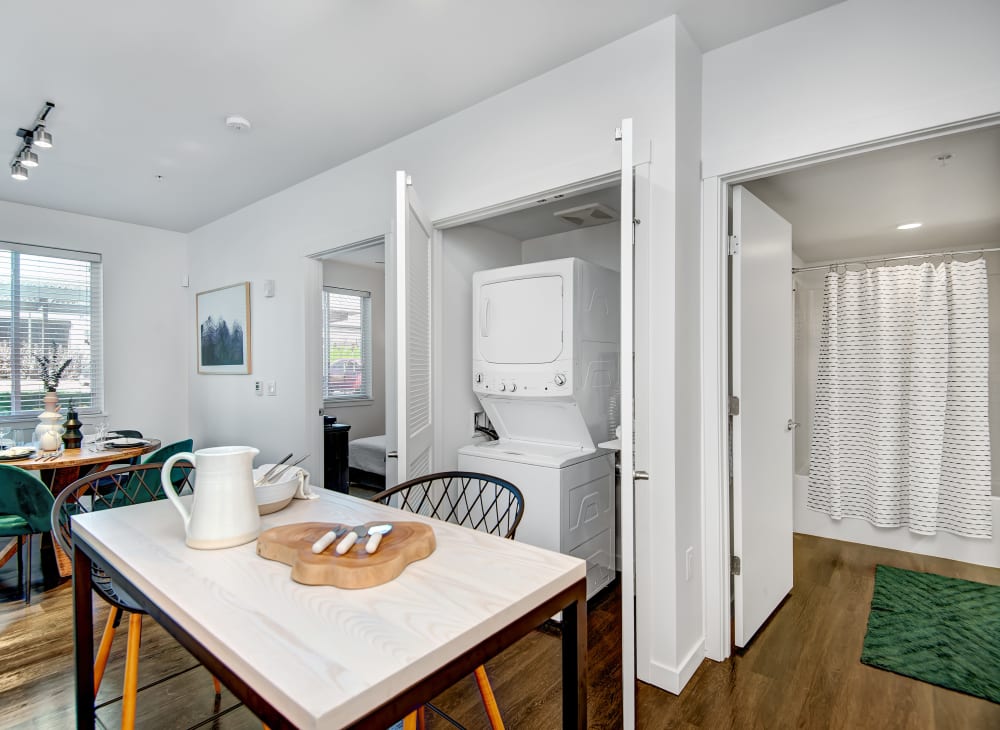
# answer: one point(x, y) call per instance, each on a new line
point(237, 123)
point(592, 214)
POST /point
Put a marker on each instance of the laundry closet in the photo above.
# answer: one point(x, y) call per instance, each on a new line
point(529, 307)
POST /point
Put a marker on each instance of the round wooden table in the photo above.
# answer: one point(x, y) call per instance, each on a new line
point(71, 464)
point(62, 471)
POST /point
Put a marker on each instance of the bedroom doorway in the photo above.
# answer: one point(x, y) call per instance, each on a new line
point(354, 350)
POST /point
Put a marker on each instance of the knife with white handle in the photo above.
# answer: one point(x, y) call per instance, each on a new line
point(375, 537)
point(350, 538)
point(324, 542)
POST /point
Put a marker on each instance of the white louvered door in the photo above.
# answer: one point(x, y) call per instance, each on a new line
point(763, 437)
point(411, 269)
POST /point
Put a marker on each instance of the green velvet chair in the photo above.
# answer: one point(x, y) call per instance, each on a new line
point(25, 511)
point(147, 487)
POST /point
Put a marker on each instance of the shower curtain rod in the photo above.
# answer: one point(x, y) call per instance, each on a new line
point(883, 259)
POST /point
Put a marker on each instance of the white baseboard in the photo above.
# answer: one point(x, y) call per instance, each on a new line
point(673, 679)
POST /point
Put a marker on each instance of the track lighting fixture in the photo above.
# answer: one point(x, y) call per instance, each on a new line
point(27, 157)
point(41, 138)
point(37, 136)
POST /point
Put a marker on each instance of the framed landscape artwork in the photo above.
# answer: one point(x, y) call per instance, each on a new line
point(224, 330)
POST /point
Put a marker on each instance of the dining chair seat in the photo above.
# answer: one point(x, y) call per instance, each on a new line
point(25, 511)
point(13, 526)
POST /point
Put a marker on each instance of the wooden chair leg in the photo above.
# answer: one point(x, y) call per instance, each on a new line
point(489, 701)
point(131, 671)
point(217, 685)
point(104, 650)
point(421, 720)
point(410, 721)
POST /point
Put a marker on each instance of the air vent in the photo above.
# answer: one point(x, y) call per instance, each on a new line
point(592, 214)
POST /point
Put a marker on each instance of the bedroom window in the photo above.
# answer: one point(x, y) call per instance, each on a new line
point(347, 344)
point(50, 308)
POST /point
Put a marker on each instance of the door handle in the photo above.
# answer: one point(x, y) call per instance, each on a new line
point(392, 454)
point(791, 425)
point(639, 475)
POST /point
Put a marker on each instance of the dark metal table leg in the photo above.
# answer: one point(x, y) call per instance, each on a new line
point(574, 662)
point(83, 639)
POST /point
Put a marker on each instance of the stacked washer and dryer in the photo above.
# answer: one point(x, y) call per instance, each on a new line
point(545, 369)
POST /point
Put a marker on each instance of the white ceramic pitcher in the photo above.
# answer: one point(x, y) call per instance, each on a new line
point(224, 510)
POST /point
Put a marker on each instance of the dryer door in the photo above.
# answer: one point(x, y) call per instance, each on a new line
point(521, 320)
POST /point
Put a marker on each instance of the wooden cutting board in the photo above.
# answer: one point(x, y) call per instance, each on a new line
point(292, 545)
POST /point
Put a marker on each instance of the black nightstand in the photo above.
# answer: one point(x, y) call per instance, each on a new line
point(335, 456)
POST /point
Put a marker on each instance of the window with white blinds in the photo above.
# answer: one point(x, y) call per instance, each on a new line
point(347, 344)
point(50, 328)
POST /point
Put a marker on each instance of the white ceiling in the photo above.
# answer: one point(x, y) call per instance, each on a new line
point(142, 88)
point(849, 208)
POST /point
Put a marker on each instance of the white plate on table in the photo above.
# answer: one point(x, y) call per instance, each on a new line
point(126, 443)
point(16, 452)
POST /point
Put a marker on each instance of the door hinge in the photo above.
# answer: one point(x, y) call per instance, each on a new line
point(735, 565)
point(734, 406)
point(734, 245)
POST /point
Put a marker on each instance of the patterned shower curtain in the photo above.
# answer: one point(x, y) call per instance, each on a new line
point(901, 426)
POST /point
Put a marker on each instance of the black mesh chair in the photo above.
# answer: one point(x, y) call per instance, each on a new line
point(127, 485)
point(480, 501)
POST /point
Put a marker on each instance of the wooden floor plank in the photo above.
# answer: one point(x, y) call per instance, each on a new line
point(801, 671)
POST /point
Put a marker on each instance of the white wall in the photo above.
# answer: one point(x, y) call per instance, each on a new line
point(464, 250)
point(596, 244)
point(147, 339)
point(534, 137)
point(365, 419)
point(857, 71)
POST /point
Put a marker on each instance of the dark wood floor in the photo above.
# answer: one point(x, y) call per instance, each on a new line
point(802, 671)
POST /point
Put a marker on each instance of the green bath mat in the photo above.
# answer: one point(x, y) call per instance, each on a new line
point(945, 631)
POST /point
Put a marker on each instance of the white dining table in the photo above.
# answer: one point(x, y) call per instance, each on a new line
point(322, 657)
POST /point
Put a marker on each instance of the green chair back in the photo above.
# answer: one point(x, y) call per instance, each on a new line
point(149, 490)
point(23, 494)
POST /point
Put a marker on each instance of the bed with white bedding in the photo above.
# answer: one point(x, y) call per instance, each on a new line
point(366, 461)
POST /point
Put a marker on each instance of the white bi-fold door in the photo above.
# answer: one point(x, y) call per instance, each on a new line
point(409, 406)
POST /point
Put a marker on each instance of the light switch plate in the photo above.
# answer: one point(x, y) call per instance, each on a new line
point(258, 388)
point(272, 387)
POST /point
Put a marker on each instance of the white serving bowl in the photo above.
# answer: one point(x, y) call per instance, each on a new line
point(275, 496)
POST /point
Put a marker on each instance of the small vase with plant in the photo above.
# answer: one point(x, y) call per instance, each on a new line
point(49, 372)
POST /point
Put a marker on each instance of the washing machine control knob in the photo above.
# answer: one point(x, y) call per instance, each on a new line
point(559, 379)
point(503, 385)
point(479, 377)
point(513, 387)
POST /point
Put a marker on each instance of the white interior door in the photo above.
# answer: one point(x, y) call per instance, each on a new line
point(409, 422)
point(627, 418)
point(763, 432)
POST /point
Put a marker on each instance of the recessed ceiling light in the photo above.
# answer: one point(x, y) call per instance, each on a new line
point(237, 123)
point(908, 226)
